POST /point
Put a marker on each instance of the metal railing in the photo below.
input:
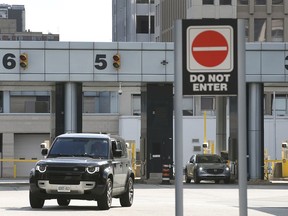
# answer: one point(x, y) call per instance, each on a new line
point(9, 160)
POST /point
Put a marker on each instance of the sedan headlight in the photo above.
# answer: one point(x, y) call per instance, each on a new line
point(92, 169)
point(227, 169)
point(41, 168)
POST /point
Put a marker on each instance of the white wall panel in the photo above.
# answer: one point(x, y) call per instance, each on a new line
point(75, 61)
point(81, 61)
point(56, 61)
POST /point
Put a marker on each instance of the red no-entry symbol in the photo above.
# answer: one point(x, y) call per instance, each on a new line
point(209, 48)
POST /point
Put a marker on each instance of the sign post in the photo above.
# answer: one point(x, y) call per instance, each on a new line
point(178, 118)
point(242, 133)
point(207, 63)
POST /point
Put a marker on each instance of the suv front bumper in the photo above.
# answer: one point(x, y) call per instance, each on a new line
point(86, 190)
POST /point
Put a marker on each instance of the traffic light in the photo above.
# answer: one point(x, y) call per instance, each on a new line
point(24, 60)
point(116, 61)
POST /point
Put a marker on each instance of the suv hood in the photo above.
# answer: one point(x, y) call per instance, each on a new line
point(72, 161)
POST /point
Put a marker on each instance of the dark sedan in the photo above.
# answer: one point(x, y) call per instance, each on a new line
point(207, 167)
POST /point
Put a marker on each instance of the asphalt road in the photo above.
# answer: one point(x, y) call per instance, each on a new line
point(159, 200)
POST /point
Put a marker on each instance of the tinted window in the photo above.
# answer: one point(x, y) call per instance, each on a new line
point(92, 147)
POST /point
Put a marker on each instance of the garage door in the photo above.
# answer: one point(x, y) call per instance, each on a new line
point(27, 147)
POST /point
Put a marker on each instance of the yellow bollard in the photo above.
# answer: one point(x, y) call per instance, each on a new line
point(284, 168)
point(15, 171)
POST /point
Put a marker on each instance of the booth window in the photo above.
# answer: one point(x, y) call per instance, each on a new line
point(211, 2)
point(225, 2)
point(187, 106)
point(29, 102)
point(136, 104)
point(100, 102)
point(281, 105)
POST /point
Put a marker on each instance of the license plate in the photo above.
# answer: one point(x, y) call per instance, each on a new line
point(63, 188)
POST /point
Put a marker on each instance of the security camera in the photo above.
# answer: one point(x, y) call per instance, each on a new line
point(120, 92)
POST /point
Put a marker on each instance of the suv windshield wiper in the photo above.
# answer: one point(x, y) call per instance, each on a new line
point(59, 155)
point(83, 155)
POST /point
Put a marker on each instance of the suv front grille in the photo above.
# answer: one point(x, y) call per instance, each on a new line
point(65, 169)
point(214, 171)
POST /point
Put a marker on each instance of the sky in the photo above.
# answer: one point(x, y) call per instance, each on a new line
point(85, 20)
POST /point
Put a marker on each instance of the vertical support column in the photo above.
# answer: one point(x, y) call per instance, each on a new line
point(70, 112)
point(255, 120)
point(6, 102)
point(220, 124)
point(59, 108)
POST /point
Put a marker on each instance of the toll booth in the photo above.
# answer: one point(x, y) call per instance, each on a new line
point(156, 129)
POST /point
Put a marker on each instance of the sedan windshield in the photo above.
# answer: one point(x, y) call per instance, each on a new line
point(80, 147)
point(209, 159)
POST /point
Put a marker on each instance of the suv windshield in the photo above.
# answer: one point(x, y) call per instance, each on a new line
point(80, 147)
point(209, 159)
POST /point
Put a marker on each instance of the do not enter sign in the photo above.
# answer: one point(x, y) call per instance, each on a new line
point(210, 49)
point(210, 57)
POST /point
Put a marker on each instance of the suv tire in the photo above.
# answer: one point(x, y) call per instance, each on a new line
point(126, 200)
point(35, 202)
point(106, 199)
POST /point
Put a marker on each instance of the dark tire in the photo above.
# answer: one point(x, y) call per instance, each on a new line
point(196, 178)
point(126, 200)
point(104, 203)
point(187, 179)
point(35, 202)
point(63, 202)
point(217, 181)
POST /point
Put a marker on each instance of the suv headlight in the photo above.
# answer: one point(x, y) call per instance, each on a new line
point(200, 169)
point(92, 169)
point(41, 168)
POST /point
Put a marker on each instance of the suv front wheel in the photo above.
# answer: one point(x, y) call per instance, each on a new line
point(104, 203)
point(35, 202)
point(126, 200)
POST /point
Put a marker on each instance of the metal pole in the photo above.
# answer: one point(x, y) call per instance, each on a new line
point(274, 123)
point(242, 134)
point(178, 118)
point(70, 107)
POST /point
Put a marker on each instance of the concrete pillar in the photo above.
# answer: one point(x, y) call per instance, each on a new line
point(70, 107)
point(6, 102)
point(255, 121)
point(220, 124)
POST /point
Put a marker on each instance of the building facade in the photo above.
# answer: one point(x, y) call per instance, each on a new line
point(133, 21)
point(12, 26)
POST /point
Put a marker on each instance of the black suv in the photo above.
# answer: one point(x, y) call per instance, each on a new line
point(83, 166)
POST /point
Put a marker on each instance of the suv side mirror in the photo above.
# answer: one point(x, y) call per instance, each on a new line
point(117, 153)
point(44, 151)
